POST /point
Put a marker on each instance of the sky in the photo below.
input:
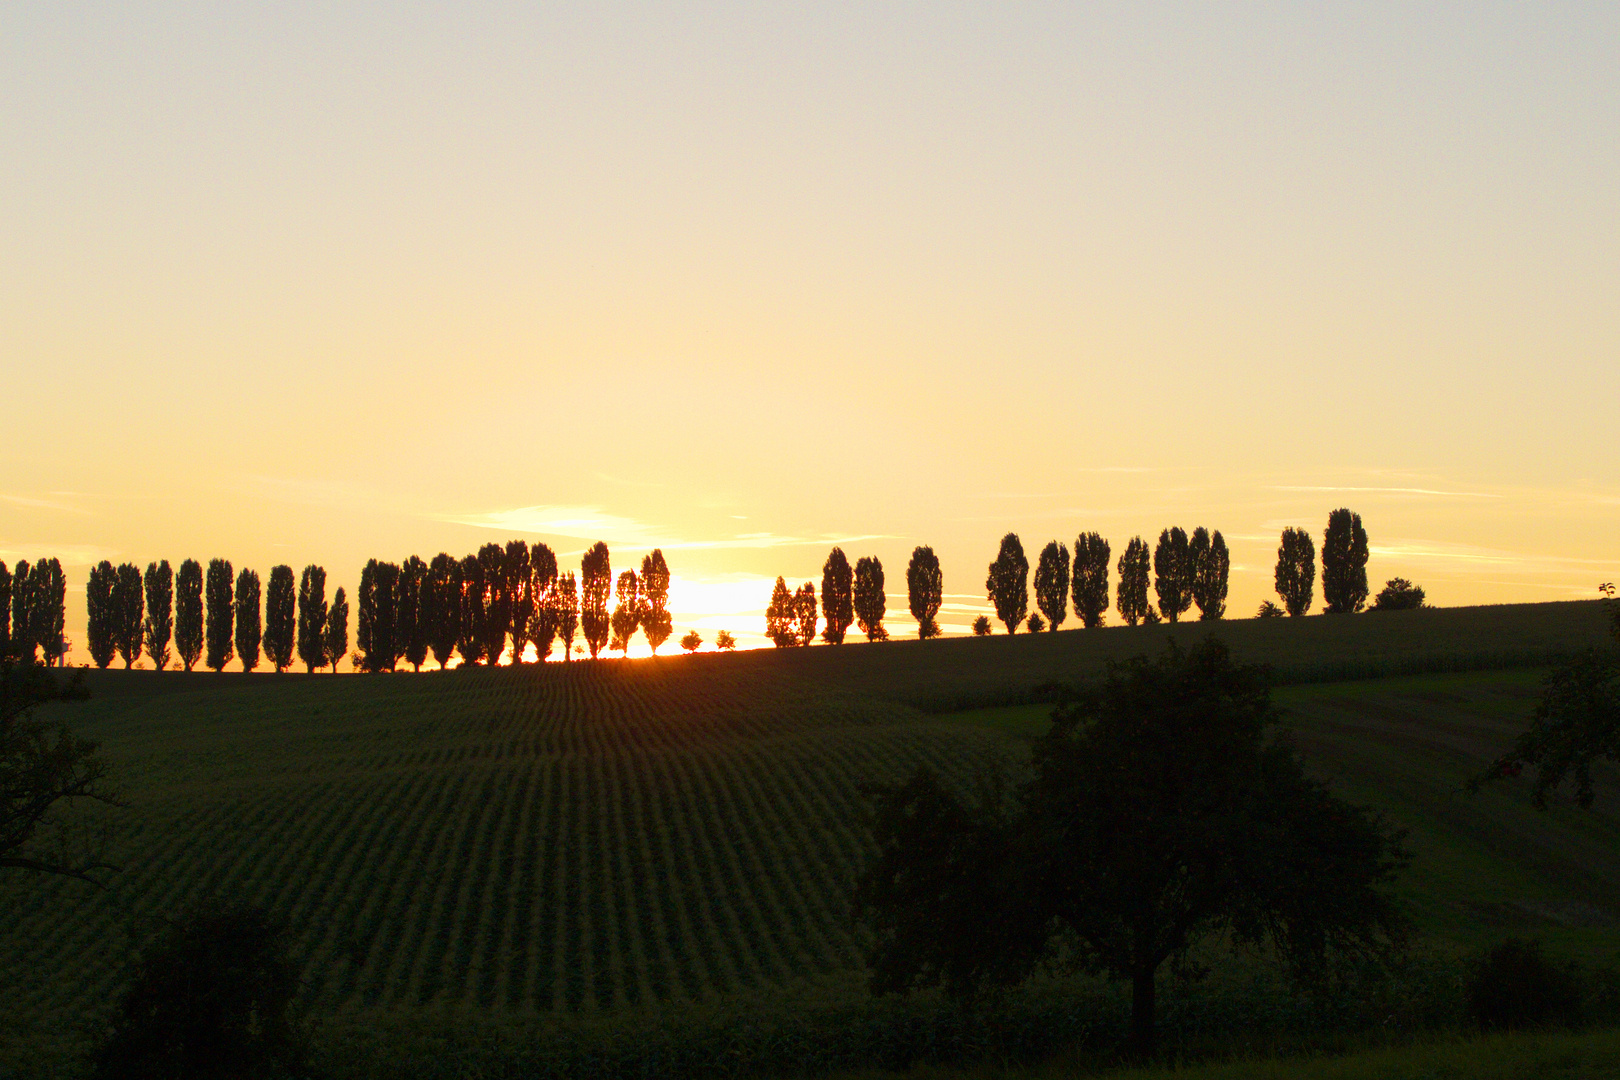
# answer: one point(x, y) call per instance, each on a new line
point(323, 282)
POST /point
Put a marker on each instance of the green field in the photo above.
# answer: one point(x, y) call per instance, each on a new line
point(621, 839)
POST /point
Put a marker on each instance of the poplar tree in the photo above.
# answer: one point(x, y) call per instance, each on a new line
point(1052, 584)
point(1296, 570)
point(924, 591)
point(1172, 573)
point(474, 609)
point(98, 602)
point(377, 617)
point(655, 619)
point(519, 579)
point(5, 612)
point(868, 598)
point(779, 616)
point(627, 615)
point(159, 626)
point(565, 601)
point(804, 614)
point(410, 632)
point(312, 617)
point(1344, 563)
point(1007, 586)
point(335, 639)
point(188, 613)
point(837, 604)
point(595, 581)
point(48, 609)
point(1133, 582)
point(1091, 556)
point(128, 610)
point(280, 621)
point(249, 630)
point(1211, 564)
point(22, 631)
point(441, 607)
point(497, 601)
point(221, 649)
point(543, 582)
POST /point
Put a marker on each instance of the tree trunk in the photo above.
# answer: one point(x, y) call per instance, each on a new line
point(1142, 1013)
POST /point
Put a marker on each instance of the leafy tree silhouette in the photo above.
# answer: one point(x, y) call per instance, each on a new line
point(868, 598)
point(280, 618)
point(519, 586)
point(565, 601)
point(129, 608)
point(804, 614)
point(1344, 563)
point(497, 601)
point(1296, 570)
point(221, 614)
point(595, 581)
point(627, 613)
point(780, 616)
point(473, 598)
point(410, 633)
point(925, 590)
point(377, 617)
point(1052, 584)
point(1398, 594)
point(98, 602)
point(655, 620)
point(1173, 573)
point(692, 641)
point(1091, 556)
point(1035, 623)
point(6, 584)
point(1133, 582)
point(47, 609)
point(441, 607)
point(1008, 583)
point(22, 644)
point(1268, 610)
point(837, 597)
point(543, 585)
point(981, 626)
point(1211, 566)
point(335, 640)
point(249, 629)
point(188, 613)
point(724, 641)
point(312, 617)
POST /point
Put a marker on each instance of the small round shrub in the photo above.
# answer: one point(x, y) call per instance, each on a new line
point(1514, 985)
point(1268, 610)
point(981, 626)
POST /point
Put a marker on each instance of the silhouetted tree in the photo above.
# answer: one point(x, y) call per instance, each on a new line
point(1091, 556)
point(159, 625)
point(724, 641)
point(98, 602)
point(519, 568)
point(474, 611)
point(871, 603)
point(1035, 623)
point(378, 617)
point(1173, 573)
point(47, 609)
point(1296, 570)
point(543, 582)
point(335, 639)
point(188, 613)
point(1052, 583)
point(410, 631)
point(6, 582)
point(1211, 565)
point(1268, 610)
point(1398, 594)
point(23, 646)
point(981, 626)
point(627, 614)
point(128, 609)
point(221, 612)
point(498, 602)
point(655, 619)
point(692, 641)
point(249, 630)
point(595, 580)
point(441, 607)
point(312, 617)
point(837, 597)
point(804, 614)
point(1160, 813)
point(1008, 583)
point(1344, 563)
point(1133, 582)
point(925, 590)
point(565, 601)
point(779, 616)
point(280, 619)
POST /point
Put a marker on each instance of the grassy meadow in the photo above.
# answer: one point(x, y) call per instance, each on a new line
point(470, 856)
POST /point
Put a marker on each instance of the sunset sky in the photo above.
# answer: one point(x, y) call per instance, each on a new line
point(319, 282)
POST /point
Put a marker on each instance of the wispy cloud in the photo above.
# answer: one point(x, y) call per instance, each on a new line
point(52, 501)
point(1388, 490)
point(69, 554)
point(593, 523)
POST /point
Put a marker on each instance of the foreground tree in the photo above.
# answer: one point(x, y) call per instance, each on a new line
point(595, 581)
point(1398, 594)
point(410, 631)
point(441, 607)
point(543, 622)
point(1090, 584)
point(1296, 570)
point(221, 613)
point(779, 616)
point(249, 630)
point(98, 602)
point(188, 613)
point(280, 618)
point(1161, 813)
point(158, 626)
point(627, 614)
point(1172, 573)
point(1052, 584)
point(655, 618)
point(1211, 566)
point(871, 603)
point(1008, 583)
point(22, 643)
point(377, 619)
point(473, 599)
point(47, 609)
point(335, 638)
point(804, 614)
point(1344, 563)
point(837, 597)
point(1133, 582)
point(44, 772)
point(312, 617)
point(925, 590)
point(497, 579)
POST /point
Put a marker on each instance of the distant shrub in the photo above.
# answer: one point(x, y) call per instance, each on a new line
point(1398, 595)
point(1514, 985)
point(1035, 623)
point(692, 642)
point(724, 640)
point(1149, 617)
point(1268, 610)
point(981, 626)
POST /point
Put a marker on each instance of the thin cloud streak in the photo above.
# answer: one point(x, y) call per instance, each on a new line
point(1388, 490)
point(591, 523)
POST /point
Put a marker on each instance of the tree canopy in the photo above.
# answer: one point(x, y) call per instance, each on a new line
point(312, 617)
point(1090, 585)
point(1052, 584)
point(595, 582)
point(1398, 594)
point(780, 616)
point(280, 618)
point(1173, 573)
point(655, 618)
point(249, 629)
point(925, 590)
point(221, 614)
point(837, 603)
point(1133, 581)
point(1007, 585)
point(1344, 563)
point(1211, 565)
point(188, 613)
point(871, 603)
point(1296, 570)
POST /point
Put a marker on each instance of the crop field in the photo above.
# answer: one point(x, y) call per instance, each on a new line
point(611, 838)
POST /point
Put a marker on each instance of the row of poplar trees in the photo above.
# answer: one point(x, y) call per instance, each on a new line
point(216, 619)
point(474, 606)
point(853, 595)
point(33, 605)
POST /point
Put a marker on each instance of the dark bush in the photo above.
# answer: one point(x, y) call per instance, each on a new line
point(1514, 985)
point(1268, 610)
point(209, 998)
point(1398, 594)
